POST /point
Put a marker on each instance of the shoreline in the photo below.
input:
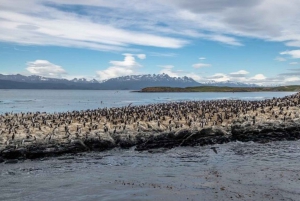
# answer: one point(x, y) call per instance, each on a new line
point(210, 91)
point(163, 125)
point(291, 88)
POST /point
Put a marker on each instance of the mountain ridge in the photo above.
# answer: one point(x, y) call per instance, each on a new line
point(129, 82)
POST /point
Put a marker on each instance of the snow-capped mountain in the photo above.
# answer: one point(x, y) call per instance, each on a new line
point(41, 79)
point(83, 80)
point(153, 77)
point(130, 82)
point(227, 84)
point(137, 82)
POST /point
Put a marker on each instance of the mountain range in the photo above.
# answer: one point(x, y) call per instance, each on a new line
point(130, 82)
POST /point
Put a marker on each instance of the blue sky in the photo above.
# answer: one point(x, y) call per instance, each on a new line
point(255, 41)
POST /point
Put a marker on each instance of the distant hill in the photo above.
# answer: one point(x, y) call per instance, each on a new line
point(131, 82)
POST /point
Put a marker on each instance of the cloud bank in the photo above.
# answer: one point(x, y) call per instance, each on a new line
point(111, 26)
point(45, 68)
point(201, 65)
point(128, 66)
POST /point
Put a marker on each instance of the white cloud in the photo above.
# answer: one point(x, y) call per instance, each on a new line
point(202, 58)
point(293, 53)
point(293, 63)
point(159, 54)
point(240, 73)
point(280, 59)
point(224, 39)
point(168, 69)
point(113, 72)
point(141, 56)
point(258, 77)
point(240, 76)
point(219, 77)
point(292, 79)
point(256, 18)
point(201, 65)
point(195, 76)
point(45, 68)
point(111, 26)
point(129, 61)
point(37, 23)
point(120, 68)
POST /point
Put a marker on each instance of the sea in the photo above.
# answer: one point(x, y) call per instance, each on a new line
point(238, 171)
point(68, 100)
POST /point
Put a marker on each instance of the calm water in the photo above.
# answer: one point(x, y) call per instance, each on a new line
point(239, 171)
point(68, 100)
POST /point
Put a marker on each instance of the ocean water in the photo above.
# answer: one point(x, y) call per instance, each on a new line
point(238, 171)
point(69, 100)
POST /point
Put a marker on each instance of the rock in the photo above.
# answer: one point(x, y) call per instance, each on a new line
point(100, 144)
point(185, 137)
point(66, 158)
point(182, 134)
point(265, 131)
point(156, 151)
point(11, 154)
point(241, 130)
point(11, 161)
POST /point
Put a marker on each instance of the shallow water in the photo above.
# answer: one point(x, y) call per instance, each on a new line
point(239, 171)
point(69, 100)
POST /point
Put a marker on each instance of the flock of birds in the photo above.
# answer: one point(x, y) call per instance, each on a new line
point(19, 129)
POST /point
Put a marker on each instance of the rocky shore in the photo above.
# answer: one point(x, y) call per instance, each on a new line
point(168, 125)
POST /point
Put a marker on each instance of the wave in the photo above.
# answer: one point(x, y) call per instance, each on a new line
point(24, 101)
point(131, 101)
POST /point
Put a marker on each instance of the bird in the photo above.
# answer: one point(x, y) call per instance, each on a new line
point(214, 149)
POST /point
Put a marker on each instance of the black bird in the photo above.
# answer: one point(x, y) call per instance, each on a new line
point(214, 149)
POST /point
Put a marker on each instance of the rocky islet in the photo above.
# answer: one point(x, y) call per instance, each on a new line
point(166, 125)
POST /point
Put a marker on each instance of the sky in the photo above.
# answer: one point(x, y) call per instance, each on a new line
point(253, 41)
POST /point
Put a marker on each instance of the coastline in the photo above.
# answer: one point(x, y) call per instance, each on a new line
point(291, 88)
point(167, 125)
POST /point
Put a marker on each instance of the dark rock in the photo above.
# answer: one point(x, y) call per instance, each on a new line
point(99, 145)
point(11, 161)
point(266, 132)
point(125, 140)
point(11, 154)
point(262, 132)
